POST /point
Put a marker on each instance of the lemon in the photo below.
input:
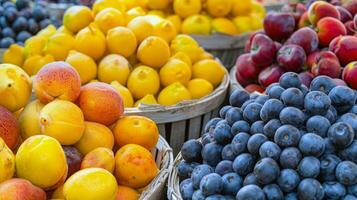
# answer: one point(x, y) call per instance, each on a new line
point(141, 28)
point(224, 25)
point(148, 99)
point(258, 8)
point(158, 13)
point(186, 8)
point(133, 60)
point(173, 94)
point(143, 80)
point(205, 55)
point(34, 45)
point(124, 93)
point(58, 45)
point(14, 55)
point(100, 5)
point(91, 41)
point(63, 29)
point(77, 17)
point(154, 52)
point(34, 63)
point(85, 65)
point(47, 32)
point(135, 3)
point(153, 19)
point(158, 4)
point(210, 70)
point(243, 23)
point(113, 67)
point(120, 37)
point(199, 88)
point(257, 21)
point(175, 71)
point(186, 44)
point(133, 13)
point(219, 8)
point(176, 21)
point(196, 24)
point(242, 7)
point(166, 30)
point(183, 57)
point(108, 19)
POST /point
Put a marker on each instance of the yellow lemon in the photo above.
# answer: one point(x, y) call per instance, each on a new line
point(173, 94)
point(183, 57)
point(166, 30)
point(133, 60)
point(158, 4)
point(91, 184)
point(143, 80)
point(113, 67)
point(148, 99)
point(58, 194)
point(210, 70)
point(58, 45)
point(29, 119)
point(85, 65)
point(77, 17)
point(125, 93)
point(257, 21)
point(153, 19)
point(135, 3)
point(242, 7)
point(120, 37)
point(224, 25)
point(175, 71)
point(186, 44)
point(258, 8)
point(47, 32)
point(91, 41)
point(133, 13)
point(108, 19)
point(196, 24)
point(158, 13)
point(243, 23)
point(100, 5)
point(186, 8)
point(14, 55)
point(34, 45)
point(154, 52)
point(34, 63)
point(176, 21)
point(199, 88)
point(206, 55)
point(141, 28)
point(219, 8)
point(63, 29)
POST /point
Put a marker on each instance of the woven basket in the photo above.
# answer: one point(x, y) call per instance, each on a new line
point(173, 183)
point(234, 83)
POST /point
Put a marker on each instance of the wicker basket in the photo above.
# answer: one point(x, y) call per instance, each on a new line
point(186, 120)
point(173, 183)
point(234, 83)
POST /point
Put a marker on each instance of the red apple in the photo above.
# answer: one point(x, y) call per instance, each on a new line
point(270, 75)
point(327, 64)
point(246, 67)
point(320, 9)
point(306, 78)
point(242, 81)
point(306, 38)
point(291, 57)
point(344, 13)
point(263, 50)
point(355, 21)
point(351, 6)
point(254, 88)
point(345, 48)
point(329, 28)
point(349, 75)
point(248, 43)
point(350, 27)
point(312, 59)
point(279, 26)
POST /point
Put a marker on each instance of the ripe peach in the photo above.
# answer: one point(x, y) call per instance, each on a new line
point(101, 103)
point(345, 48)
point(20, 189)
point(57, 80)
point(9, 128)
point(29, 119)
point(126, 193)
point(320, 9)
point(329, 28)
point(326, 64)
point(101, 158)
point(349, 75)
point(7, 162)
point(74, 159)
point(304, 21)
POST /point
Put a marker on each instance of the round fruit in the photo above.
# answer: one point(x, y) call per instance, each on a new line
point(99, 157)
point(148, 99)
point(7, 162)
point(58, 45)
point(158, 4)
point(124, 93)
point(199, 88)
point(186, 8)
point(126, 193)
point(77, 17)
point(113, 68)
point(119, 37)
point(223, 25)
point(14, 55)
point(173, 71)
point(29, 119)
point(100, 5)
point(209, 70)
point(196, 24)
point(84, 65)
point(173, 94)
point(143, 80)
point(109, 18)
point(141, 28)
point(218, 8)
point(34, 63)
point(154, 52)
point(166, 30)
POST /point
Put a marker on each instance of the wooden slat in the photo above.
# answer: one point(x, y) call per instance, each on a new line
point(194, 128)
point(206, 118)
point(177, 135)
point(162, 130)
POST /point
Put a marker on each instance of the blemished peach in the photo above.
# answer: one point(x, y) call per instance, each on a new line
point(20, 189)
point(100, 158)
point(100, 103)
point(57, 80)
point(9, 128)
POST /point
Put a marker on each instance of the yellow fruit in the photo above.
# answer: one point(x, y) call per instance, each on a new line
point(158, 4)
point(95, 135)
point(58, 193)
point(124, 93)
point(58, 45)
point(243, 23)
point(85, 65)
point(242, 7)
point(223, 25)
point(113, 67)
point(257, 21)
point(47, 32)
point(158, 13)
point(100, 157)
point(120, 37)
point(219, 8)
point(210, 70)
point(15, 87)
point(91, 41)
point(29, 119)
point(199, 88)
point(196, 24)
point(173, 94)
point(63, 29)
point(143, 80)
point(258, 8)
point(135, 3)
point(62, 120)
point(7, 162)
point(183, 57)
point(186, 8)
point(166, 30)
point(153, 19)
point(77, 17)
point(100, 5)
point(108, 19)
point(148, 99)
point(41, 160)
point(91, 184)
point(206, 55)
point(34, 63)
point(127, 193)
point(176, 21)
point(141, 28)
point(14, 55)
point(154, 52)
point(133, 13)
point(186, 44)
point(175, 71)
point(34, 45)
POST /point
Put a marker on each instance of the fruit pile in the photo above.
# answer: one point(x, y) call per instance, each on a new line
point(18, 21)
point(319, 41)
point(63, 143)
point(145, 59)
point(292, 143)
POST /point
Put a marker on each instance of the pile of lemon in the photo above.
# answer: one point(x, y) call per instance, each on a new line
point(142, 57)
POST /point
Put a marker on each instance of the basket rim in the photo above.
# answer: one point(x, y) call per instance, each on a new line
point(173, 182)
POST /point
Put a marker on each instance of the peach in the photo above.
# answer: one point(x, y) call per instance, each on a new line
point(134, 166)
point(326, 64)
point(345, 48)
point(101, 158)
point(304, 20)
point(101, 103)
point(15, 87)
point(320, 9)
point(20, 189)
point(57, 80)
point(9, 128)
point(74, 159)
point(29, 119)
point(329, 28)
point(126, 193)
point(349, 74)
point(7, 162)
point(58, 193)
point(41, 160)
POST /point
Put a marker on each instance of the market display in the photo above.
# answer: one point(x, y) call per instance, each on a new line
point(290, 143)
